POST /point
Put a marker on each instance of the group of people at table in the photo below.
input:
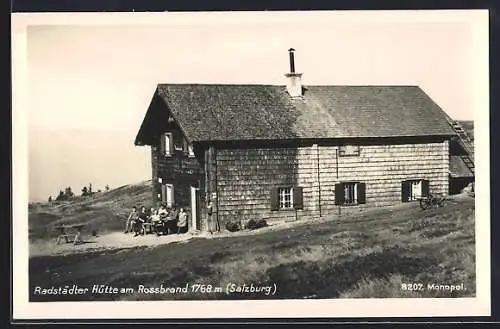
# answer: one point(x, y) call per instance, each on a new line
point(161, 221)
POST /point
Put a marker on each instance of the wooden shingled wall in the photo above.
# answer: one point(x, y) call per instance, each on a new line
point(245, 177)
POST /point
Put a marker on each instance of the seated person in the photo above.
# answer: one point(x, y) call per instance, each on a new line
point(131, 217)
point(154, 217)
point(143, 214)
point(162, 214)
point(144, 218)
point(137, 227)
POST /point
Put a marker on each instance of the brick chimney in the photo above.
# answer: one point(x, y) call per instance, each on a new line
point(294, 84)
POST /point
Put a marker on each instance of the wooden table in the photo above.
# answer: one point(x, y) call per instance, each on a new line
point(63, 234)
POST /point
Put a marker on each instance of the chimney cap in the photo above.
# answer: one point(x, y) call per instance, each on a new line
point(291, 49)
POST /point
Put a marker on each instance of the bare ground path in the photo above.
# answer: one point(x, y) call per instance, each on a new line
point(120, 240)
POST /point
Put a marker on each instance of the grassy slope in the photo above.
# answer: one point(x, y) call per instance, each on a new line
point(367, 255)
point(104, 212)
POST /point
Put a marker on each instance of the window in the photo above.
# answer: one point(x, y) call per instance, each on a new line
point(166, 144)
point(415, 190)
point(179, 141)
point(348, 150)
point(167, 194)
point(350, 193)
point(285, 198)
point(190, 150)
point(285, 195)
point(412, 190)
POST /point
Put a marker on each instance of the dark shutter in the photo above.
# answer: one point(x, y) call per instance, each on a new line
point(173, 194)
point(274, 198)
point(425, 188)
point(339, 194)
point(162, 144)
point(171, 143)
point(361, 193)
point(298, 202)
point(405, 191)
point(163, 193)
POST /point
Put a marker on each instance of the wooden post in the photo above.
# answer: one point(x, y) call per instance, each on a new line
point(337, 160)
point(154, 174)
point(319, 180)
point(212, 185)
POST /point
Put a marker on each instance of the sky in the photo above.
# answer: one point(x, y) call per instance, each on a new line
point(90, 85)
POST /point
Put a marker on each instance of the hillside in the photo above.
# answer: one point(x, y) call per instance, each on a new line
point(103, 212)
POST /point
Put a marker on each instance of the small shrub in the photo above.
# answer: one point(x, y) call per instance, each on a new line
point(255, 224)
point(261, 223)
point(232, 227)
point(251, 224)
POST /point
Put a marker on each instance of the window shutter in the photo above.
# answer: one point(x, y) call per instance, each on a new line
point(339, 194)
point(163, 193)
point(185, 146)
point(162, 144)
point(171, 143)
point(425, 188)
point(361, 193)
point(405, 191)
point(274, 198)
point(298, 202)
point(172, 200)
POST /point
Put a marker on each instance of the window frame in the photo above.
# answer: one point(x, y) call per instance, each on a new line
point(358, 190)
point(350, 190)
point(282, 198)
point(178, 142)
point(167, 144)
point(190, 150)
point(164, 195)
point(416, 184)
point(343, 148)
point(407, 189)
point(295, 200)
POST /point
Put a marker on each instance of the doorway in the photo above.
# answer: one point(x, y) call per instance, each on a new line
point(195, 208)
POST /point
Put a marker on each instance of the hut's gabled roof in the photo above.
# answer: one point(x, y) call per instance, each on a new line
point(209, 112)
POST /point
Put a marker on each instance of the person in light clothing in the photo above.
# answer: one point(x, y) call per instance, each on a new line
point(154, 216)
point(160, 226)
point(182, 221)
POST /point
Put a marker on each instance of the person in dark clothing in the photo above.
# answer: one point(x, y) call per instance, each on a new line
point(137, 226)
point(172, 220)
point(143, 214)
point(130, 220)
point(160, 227)
point(182, 222)
point(143, 217)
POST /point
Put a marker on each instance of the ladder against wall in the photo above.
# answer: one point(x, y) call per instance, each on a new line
point(465, 142)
